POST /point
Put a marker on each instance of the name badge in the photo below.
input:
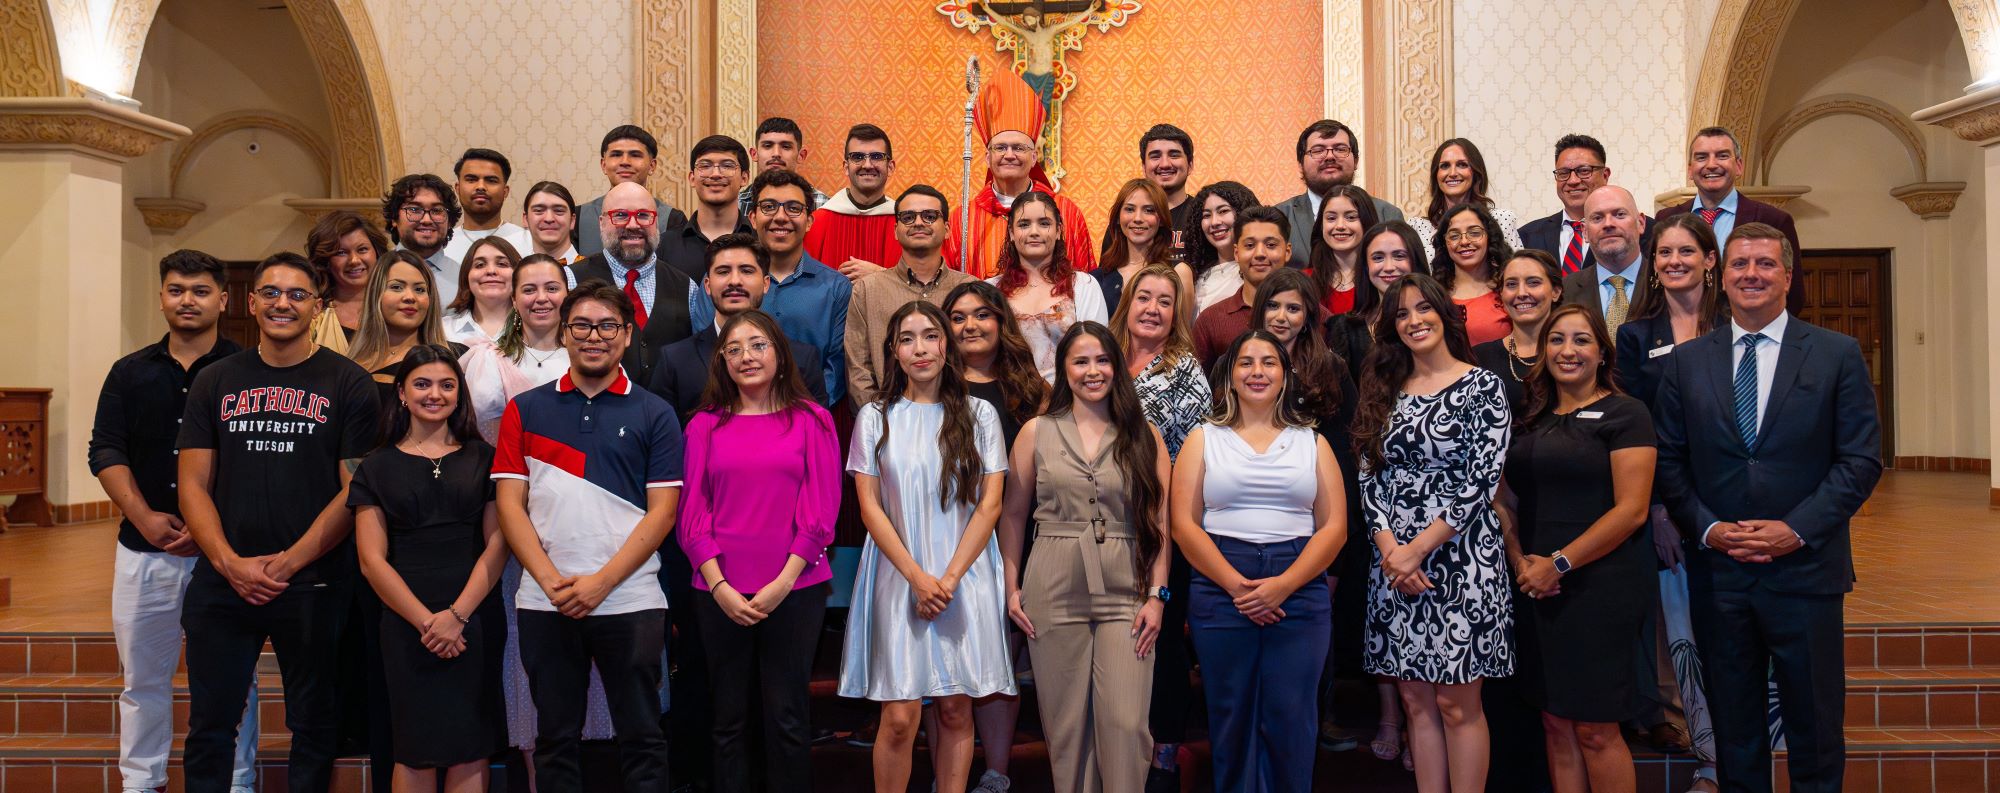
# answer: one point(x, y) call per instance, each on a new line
point(1590, 414)
point(1659, 351)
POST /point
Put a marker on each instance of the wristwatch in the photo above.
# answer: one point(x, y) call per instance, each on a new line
point(1163, 593)
point(1562, 562)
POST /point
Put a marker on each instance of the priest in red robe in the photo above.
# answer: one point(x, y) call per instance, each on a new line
point(855, 230)
point(1008, 117)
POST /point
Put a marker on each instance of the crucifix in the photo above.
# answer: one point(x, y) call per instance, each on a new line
point(1038, 32)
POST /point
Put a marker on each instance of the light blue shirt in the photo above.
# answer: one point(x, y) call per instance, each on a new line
point(647, 283)
point(810, 306)
point(1605, 290)
point(1725, 221)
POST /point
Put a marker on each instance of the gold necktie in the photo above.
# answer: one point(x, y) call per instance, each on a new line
point(1615, 315)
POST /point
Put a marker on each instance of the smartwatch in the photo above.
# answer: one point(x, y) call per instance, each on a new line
point(1163, 593)
point(1561, 561)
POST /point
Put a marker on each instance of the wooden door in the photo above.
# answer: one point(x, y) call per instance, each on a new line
point(237, 324)
point(1847, 291)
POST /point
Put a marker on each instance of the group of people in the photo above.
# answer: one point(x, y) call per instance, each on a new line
point(1284, 442)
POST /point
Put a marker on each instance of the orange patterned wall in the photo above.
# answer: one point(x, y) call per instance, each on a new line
point(1242, 94)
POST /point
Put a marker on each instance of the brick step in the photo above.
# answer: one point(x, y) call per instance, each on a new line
point(87, 705)
point(90, 765)
point(1933, 646)
point(1921, 698)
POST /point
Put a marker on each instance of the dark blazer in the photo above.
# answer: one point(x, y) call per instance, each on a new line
point(1299, 212)
point(1638, 369)
point(1752, 211)
point(1581, 286)
point(588, 243)
point(666, 319)
point(1812, 469)
point(1544, 234)
point(681, 374)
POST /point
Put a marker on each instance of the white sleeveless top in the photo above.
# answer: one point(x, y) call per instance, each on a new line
point(1259, 498)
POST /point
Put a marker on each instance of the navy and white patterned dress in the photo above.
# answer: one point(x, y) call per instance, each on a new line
point(1443, 456)
point(1175, 400)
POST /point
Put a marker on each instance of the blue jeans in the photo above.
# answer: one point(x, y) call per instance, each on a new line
point(1262, 743)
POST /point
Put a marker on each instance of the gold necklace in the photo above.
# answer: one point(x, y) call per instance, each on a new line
point(1512, 358)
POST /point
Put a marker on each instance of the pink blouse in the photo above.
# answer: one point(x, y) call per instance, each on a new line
point(757, 491)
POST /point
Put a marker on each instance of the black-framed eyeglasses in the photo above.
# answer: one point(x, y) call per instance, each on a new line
point(770, 206)
point(272, 293)
point(606, 330)
point(415, 212)
point(1581, 172)
point(910, 217)
point(859, 157)
point(1335, 150)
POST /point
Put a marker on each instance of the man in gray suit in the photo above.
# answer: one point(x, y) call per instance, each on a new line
point(628, 154)
point(1614, 272)
point(1328, 156)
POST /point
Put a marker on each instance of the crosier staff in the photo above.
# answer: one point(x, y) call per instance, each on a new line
point(965, 195)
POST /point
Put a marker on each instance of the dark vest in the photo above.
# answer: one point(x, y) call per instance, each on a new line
point(667, 318)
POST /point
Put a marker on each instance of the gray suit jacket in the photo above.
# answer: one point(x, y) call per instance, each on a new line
point(1299, 212)
point(588, 243)
point(1582, 287)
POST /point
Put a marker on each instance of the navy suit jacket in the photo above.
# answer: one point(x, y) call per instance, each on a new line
point(681, 374)
point(1751, 211)
point(1817, 458)
point(1544, 234)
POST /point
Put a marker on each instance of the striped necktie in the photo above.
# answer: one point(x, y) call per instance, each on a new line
point(1573, 255)
point(1746, 390)
point(1708, 214)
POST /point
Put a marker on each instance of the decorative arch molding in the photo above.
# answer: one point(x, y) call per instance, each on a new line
point(1897, 122)
point(1736, 68)
point(1979, 24)
point(367, 142)
point(231, 122)
point(31, 63)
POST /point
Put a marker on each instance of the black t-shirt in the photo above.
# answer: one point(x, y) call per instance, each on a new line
point(1180, 215)
point(279, 435)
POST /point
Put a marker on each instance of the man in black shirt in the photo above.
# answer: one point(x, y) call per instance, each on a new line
point(1166, 156)
point(266, 447)
point(133, 456)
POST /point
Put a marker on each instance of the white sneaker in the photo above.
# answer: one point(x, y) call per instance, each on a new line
point(993, 782)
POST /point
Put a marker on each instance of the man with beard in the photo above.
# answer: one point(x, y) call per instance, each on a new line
point(133, 456)
point(420, 212)
point(781, 146)
point(482, 193)
point(267, 444)
point(1609, 281)
point(809, 299)
point(1328, 156)
point(920, 274)
point(602, 460)
point(630, 221)
point(1166, 156)
point(857, 226)
point(628, 155)
point(717, 169)
point(1715, 163)
point(1008, 117)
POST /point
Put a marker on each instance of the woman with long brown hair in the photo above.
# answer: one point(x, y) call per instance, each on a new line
point(1578, 475)
point(757, 513)
point(1458, 176)
point(1211, 242)
point(399, 312)
point(1139, 233)
point(484, 307)
point(929, 613)
point(1470, 255)
point(1530, 289)
point(1335, 261)
point(1093, 472)
point(1431, 432)
point(1044, 291)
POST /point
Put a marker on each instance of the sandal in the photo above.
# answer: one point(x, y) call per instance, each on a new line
point(1385, 749)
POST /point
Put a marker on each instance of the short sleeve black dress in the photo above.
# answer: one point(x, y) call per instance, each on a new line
point(1576, 647)
point(444, 711)
point(1494, 357)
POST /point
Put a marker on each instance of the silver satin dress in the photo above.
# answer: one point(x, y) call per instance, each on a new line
point(891, 653)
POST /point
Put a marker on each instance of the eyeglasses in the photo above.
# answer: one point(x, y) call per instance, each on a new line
point(414, 212)
point(735, 351)
point(272, 293)
point(1474, 233)
point(1336, 150)
point(770, 206)
point(643, 217)
point(1011, 148)
point(859, 157)
point(1583, 172)
point(910, 217)
point(606, 330)
point(725, 166)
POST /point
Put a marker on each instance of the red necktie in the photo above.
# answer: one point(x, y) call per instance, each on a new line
point(632, 291)
point(1573, 257)
point(1708, 214)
